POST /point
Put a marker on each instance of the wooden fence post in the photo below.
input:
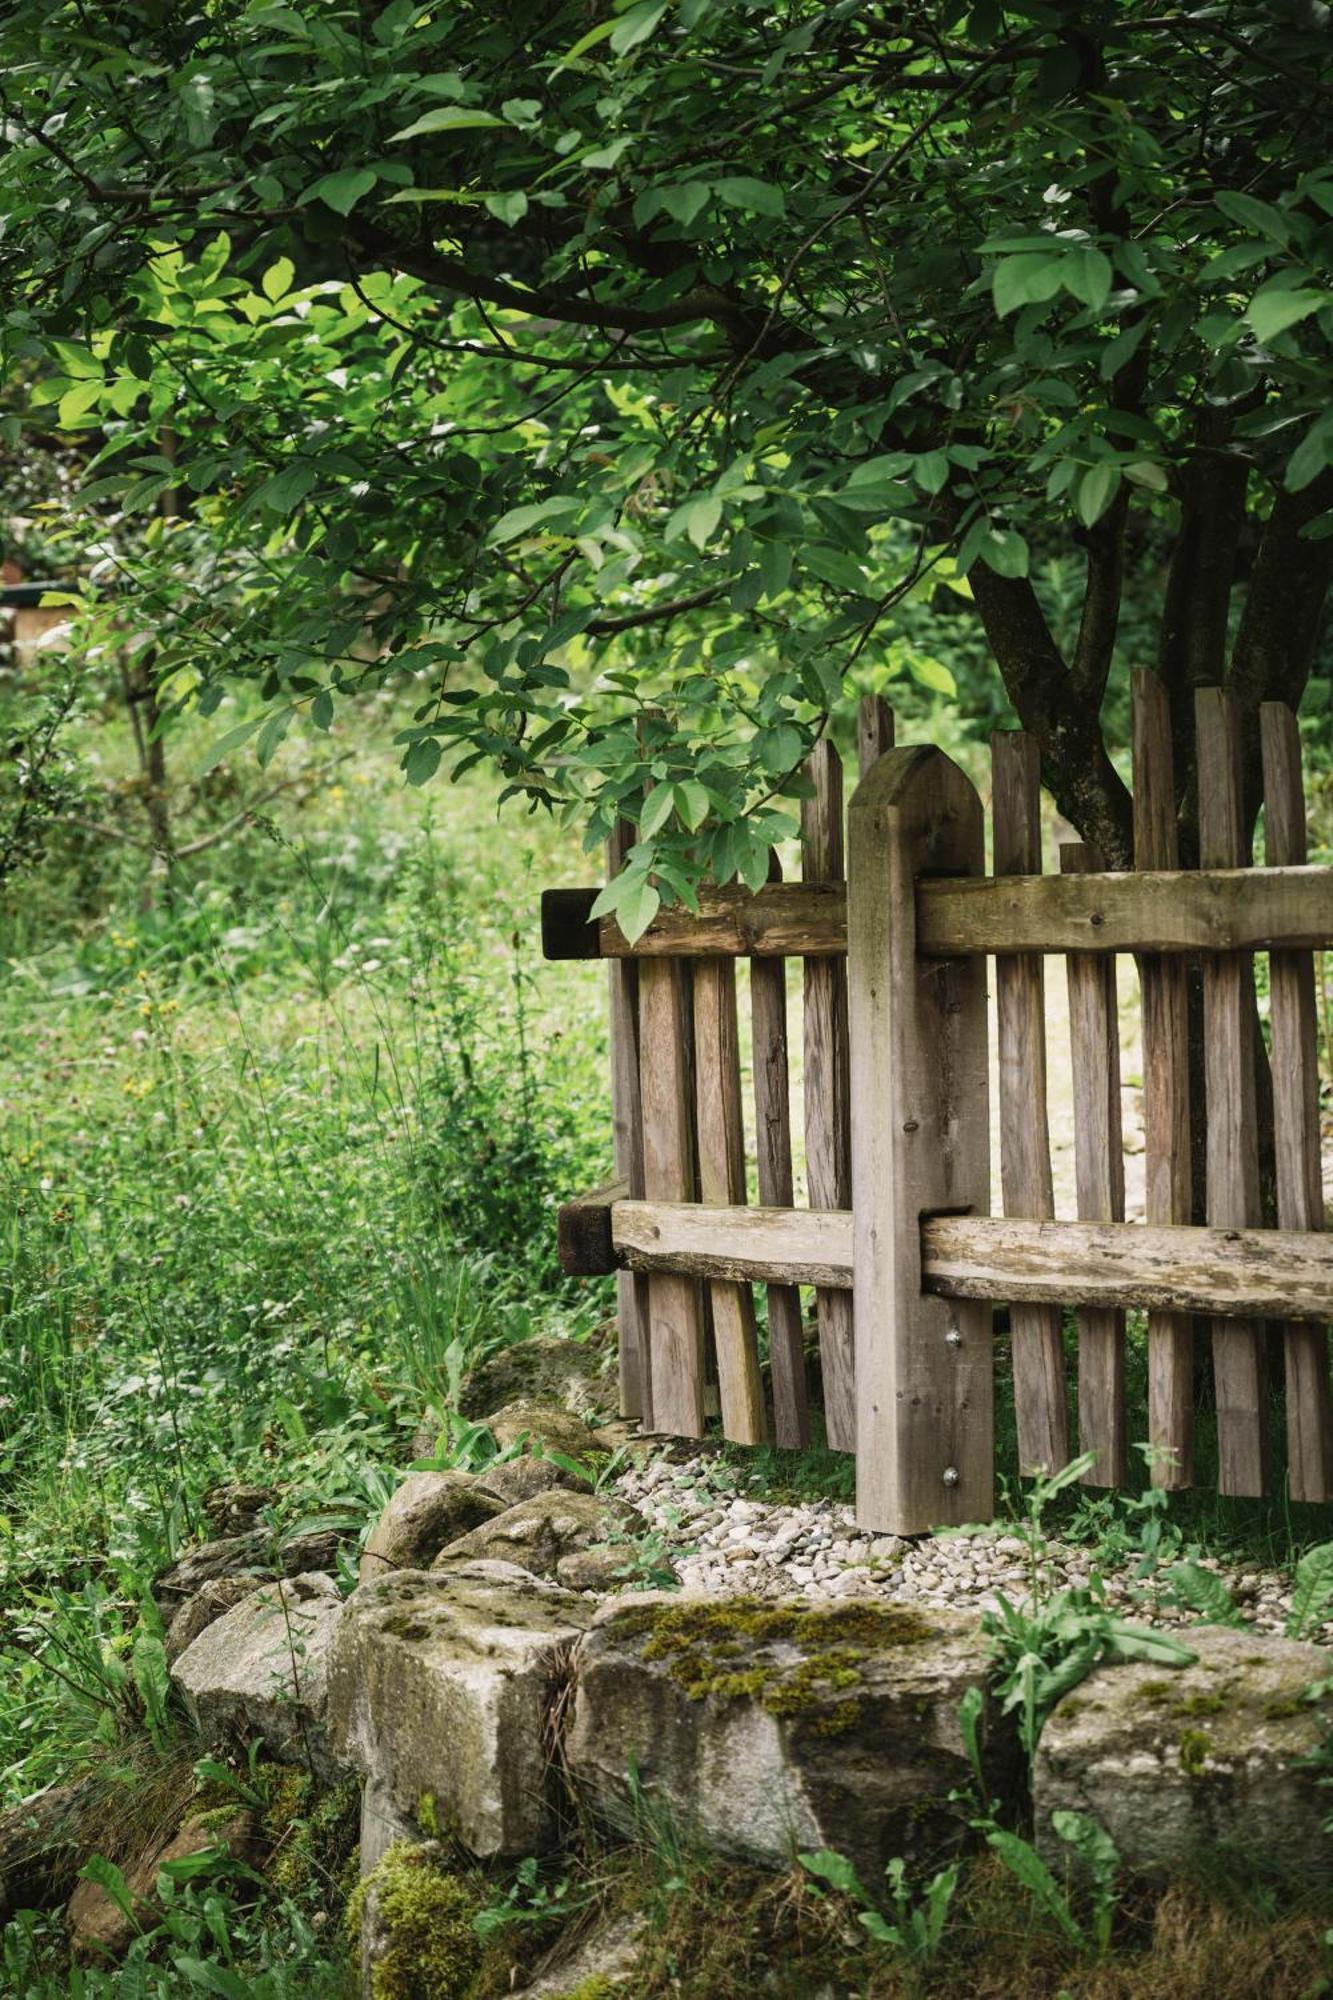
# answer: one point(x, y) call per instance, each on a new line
point(717, 1065)
point(920, 1142)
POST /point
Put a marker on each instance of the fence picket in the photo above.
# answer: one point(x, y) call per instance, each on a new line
point(874, 731)
point(1169, 1177)
point(627, 1138)
point(1233, 1127)
point(717, 1066)
point(772, 1105)
point(675, 1306)
point(827, 1103)
point(1300, 1188)
point(1099, 1173)
point(1040, 1395)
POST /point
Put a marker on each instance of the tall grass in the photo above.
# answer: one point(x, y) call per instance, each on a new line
point(271, 1158)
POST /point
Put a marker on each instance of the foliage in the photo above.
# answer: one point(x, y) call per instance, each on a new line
point(1048, 1644)
point(579, 370)
point(919, 1924)
point(1094, 1848)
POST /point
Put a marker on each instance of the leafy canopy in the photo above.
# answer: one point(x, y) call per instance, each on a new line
point(616, 371)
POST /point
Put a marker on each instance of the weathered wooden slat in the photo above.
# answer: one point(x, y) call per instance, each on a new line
point(675, 1308)
point(828, 1134)
point(874, 731)
point(772, 1104)
point(1233, 1125)
point(1040, 1396)
point(1166, 910)
point(925, 1441)
point(1169, 1177)
point(1269, 1273)
point(1099, 1177)
point(1300, 1188)
point(717, 1070)
point(627, 1129)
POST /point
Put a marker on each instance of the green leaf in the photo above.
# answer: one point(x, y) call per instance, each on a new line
point(636, 26)
point(1005, 551)
point(836, 1870)
point(1204, 1592)
point(835, 566)
point(1096, 490)
point(637, 908)
point(1312, 1593)
point(683, 203)
point(932, 674)
point(1026, 1865)
point(1025, 279)
point(931, 470)
point(1271, 312)
point(1145, 472)
point(1260, 217)
point(1087, 274)
point(277, 280)
point(521, 520)
point(226, 744)
point(1311, 455)
point(692, 803)
point(448, 118)
point(657, 810)
point(508, 208)
point(76, 403)
point(422, 760)
point(341, 191)
point(755, 197)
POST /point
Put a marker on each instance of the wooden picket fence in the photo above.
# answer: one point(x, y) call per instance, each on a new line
point(898, 1241)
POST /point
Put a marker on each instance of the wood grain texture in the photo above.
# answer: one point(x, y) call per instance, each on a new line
point(1169, 910)
point(828, 1136)
point(874, 731)
point(1295, 1064)
point(1233, 1124)
point(1040, 1393)
point(627, 1132)
point(1099, 1176)
point(1169, 1181)
point(920, 1124)
point(772, 1103)
point(718, 1118)
point(675, 1308)
point(1245, 1273)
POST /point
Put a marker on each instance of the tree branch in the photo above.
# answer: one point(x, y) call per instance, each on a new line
point(1075, 767)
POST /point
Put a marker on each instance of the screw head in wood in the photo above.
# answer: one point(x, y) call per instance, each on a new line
point(953, 1338)
point(951, 1475)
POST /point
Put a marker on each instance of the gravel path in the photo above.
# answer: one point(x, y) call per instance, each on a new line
point(721, 1541)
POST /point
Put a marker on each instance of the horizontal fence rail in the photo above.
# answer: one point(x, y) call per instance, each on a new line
point(1164, 910)
point(1285, 1274)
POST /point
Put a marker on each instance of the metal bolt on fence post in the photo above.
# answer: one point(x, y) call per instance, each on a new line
point(953, 1338)
point(951, 1475)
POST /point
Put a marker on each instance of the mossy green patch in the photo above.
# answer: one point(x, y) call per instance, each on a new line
point(1200, 1704)
point(790, 1659)
point(425, 1944)
point(1196, 1747)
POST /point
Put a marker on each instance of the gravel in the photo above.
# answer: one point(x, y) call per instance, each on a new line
point(721, 1541)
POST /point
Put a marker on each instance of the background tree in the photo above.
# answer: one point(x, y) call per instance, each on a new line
point(576, 360)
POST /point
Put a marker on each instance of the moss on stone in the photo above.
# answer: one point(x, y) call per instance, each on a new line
point(595, 1987)
point(1283, 1711)
point(308, 1831)
point(704, 1645)
point(425, 1944)
point(428, 1815)
point(1200, 1704)
point(1196, 1747)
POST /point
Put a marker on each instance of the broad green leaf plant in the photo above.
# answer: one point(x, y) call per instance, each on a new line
point(610, 378)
